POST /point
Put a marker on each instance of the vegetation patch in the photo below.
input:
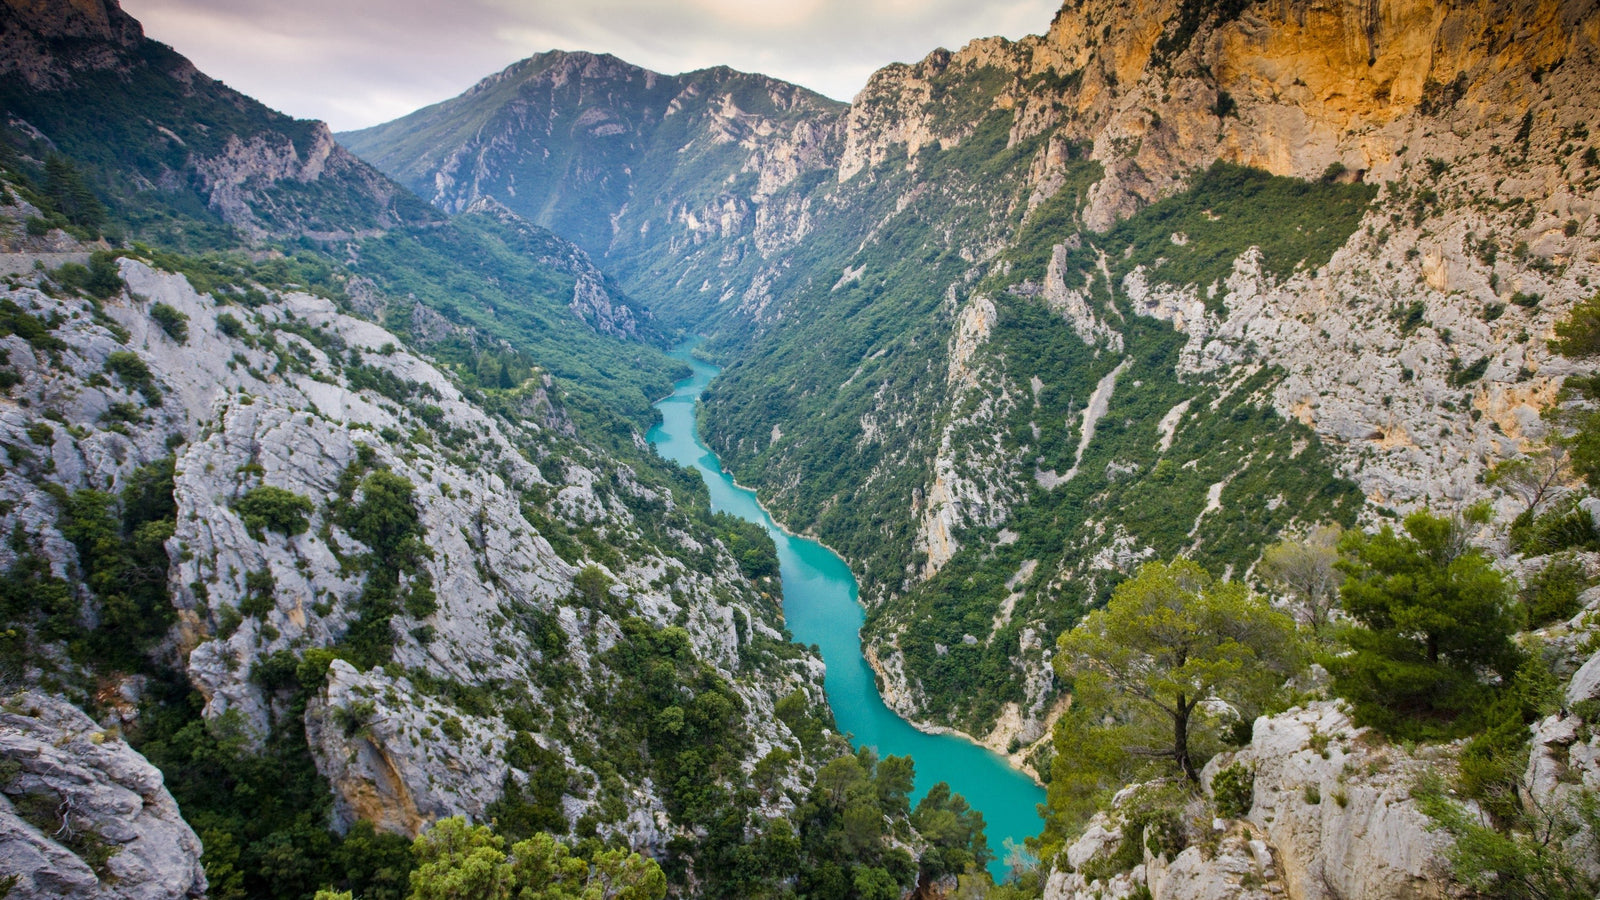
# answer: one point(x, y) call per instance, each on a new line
point(384, 518)
point(268, 508)
point(1227, 210)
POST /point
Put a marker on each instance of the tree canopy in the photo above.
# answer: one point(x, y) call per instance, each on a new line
point(1434, 617)
point(1306, 570)
point(1176, 646)
point(457, 861)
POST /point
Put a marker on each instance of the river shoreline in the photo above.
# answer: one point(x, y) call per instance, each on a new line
point(993, 744)
point(822, 607)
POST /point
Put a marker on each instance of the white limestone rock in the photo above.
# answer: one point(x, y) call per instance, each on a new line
point(83, 815)
point(1363, 837)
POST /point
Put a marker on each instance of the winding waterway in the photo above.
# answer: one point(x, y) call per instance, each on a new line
point(821, 607)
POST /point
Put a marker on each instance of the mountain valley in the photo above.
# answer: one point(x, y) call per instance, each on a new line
point(337, 560)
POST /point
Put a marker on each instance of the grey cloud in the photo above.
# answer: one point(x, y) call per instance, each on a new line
point(359, 62)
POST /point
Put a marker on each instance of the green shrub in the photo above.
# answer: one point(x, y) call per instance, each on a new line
point(134, 374)
point(29, 327)
point(268, 508)
point(1408, 317)
point(228, 621)
point(387, 521)
point(1517, 858)
point(386, 518)
point(1561, 527)
point(592, 586)
point(105, 279)
point(1461, 376)
point(122, 559)
point(260, 593)
point(1551, 594)
point(421, 600)
point(534, 805)
point(173, 322)
point(453, 729)
point(99, 279)
point(1233, 788)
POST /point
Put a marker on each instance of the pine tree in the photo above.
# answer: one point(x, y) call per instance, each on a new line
point(1434, 616)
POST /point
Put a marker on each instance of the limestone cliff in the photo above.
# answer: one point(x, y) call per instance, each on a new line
point(294, 396)
point(82, 815)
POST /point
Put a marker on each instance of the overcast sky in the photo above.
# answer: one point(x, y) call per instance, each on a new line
point(360, 62)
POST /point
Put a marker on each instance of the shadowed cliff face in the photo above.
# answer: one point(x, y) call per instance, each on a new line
point(81, 79)
point(43, 42)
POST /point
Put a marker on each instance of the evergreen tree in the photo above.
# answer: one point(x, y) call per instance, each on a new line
point(1171, 643)
point(1434, 619)
point(71, 194)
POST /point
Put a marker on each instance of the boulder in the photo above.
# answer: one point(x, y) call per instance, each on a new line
point(83, 815)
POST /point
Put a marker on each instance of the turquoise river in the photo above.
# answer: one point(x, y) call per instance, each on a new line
point(821, 607)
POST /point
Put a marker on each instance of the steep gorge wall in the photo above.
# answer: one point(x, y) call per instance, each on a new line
point(1471, 119)
point(846, 258)
point(258, 398)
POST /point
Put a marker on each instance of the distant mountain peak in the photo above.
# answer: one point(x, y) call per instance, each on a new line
point(587, 132)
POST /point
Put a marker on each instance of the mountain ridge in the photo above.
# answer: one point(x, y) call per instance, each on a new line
point(592, 132)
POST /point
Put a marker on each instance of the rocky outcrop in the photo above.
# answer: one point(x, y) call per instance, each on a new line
point(358, 719)
point(1333, 802)
point(1239, 868)
point(1075, 305)
point(1563, 771)
point(1331, 816)
point(243, 183)
point(264, 397)
point(43, 43)
point(954, 500)
point(82, 815)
